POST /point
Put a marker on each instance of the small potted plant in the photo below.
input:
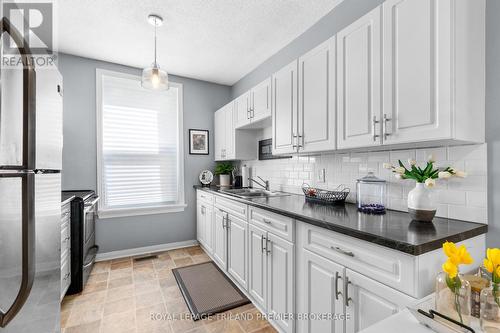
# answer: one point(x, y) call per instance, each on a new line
point(223, 170)
point(421, 203)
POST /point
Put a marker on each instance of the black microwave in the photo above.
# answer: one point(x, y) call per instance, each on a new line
point(266, 150)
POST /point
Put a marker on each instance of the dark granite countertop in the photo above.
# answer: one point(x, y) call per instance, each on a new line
point(66, 198)
point(394, 230)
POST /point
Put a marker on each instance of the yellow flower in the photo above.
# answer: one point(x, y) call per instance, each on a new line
point(488, 265)
point(492, 262)
point(457, 256)
point(450, 268)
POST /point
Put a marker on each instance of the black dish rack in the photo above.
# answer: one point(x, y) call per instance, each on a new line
point(317, 195)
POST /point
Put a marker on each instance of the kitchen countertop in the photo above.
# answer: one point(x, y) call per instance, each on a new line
point(394, 230)
point(66, 198)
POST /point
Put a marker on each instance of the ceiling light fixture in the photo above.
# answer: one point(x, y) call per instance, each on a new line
point(153, 77)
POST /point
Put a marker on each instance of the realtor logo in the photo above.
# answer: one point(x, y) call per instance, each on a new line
point(34, 21)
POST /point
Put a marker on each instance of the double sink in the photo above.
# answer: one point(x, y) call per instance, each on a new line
point(249, 193)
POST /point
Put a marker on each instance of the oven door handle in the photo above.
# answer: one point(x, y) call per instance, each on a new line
point(92, 253)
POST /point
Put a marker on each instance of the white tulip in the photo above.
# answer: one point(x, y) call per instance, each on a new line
point(444, 175)
point(430, 183)
point(387, 166)
point(431, 158)
point(411, 161)
point(400, 170)
point(460, 174)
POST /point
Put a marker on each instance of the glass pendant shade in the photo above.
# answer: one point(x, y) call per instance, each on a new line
point(154, 78)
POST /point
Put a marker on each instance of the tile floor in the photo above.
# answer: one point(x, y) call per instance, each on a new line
point(121, 295)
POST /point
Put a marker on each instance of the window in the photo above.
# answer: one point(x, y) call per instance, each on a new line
point(139, 147)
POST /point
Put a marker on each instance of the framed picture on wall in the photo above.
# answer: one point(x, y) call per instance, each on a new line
point(198, 142)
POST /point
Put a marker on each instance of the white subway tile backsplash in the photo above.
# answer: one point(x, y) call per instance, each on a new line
point(463, 199)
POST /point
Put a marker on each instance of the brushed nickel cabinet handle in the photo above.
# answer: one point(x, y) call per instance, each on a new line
point(346, 291)
point(338, 249)
point(374, 124)
point(337, 292)
point(262, 242)
point(384, 126)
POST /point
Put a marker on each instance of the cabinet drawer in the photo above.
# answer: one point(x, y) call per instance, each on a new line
point(232, 207)
point(393, 268)
point(65, 240)
point(279, 225)
point(204, 196)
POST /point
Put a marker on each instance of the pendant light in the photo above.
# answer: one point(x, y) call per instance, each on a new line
point(153, 77)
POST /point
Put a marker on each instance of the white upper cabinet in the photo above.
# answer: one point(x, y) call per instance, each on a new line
point(358, 82)
point(242, 110)
point(416, 60)
point(254, 106)
point(231, 144)
point(284, 109)
point(261, 101)
point(433, 70)
point(316, 121)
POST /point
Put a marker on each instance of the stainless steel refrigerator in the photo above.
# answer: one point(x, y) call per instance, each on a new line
point(30, 194)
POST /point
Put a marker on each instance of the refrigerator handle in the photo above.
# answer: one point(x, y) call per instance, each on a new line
point(29, 96)
point(28, 246)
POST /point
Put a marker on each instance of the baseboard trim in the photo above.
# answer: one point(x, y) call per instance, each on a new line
point(144, 250)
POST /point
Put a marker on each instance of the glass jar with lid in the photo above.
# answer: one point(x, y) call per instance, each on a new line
point(371, 194)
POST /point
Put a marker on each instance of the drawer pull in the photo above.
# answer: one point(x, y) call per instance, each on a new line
point(337, 292)
point(338, 249)
point(266, 221)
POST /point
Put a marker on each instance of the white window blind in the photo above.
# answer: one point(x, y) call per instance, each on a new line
point(140, 158)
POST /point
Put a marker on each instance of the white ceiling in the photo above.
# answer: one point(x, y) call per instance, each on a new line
point(213, 40)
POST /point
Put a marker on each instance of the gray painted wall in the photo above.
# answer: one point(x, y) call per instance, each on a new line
point(493, 118)
point(343, 15)
point(201, 100)
point(349, 11)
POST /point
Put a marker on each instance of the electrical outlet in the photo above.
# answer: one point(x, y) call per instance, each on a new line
point(321, 176)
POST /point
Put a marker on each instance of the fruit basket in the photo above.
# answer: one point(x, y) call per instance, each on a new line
point(318, 195)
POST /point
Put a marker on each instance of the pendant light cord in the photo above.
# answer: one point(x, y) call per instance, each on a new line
point(156, 26)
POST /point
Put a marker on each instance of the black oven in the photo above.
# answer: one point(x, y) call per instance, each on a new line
point(83, 246)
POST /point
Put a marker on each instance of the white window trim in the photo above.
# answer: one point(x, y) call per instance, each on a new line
point(122, 212)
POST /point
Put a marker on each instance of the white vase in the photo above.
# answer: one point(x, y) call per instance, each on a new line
point(421, 203)
point(224, 180)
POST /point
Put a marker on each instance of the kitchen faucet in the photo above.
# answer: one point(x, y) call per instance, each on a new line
point(264, 185)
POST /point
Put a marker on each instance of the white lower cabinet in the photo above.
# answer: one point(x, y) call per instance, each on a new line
point(237, 230)
point(370, 302)
point(220, 238)
point(320, 292)
point(205, 225)
point(257, 273)
point(280, 281)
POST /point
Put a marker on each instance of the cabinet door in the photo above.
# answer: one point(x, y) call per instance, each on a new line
point(317, 98)
point(220, 238)
point(321, 293)
point(208, 228)
point(242, 112)
point(200, 221)
point(358, 86)
point(370, 301)
point(284, 109)
point(257, 270)
point(261, 101)
point(219, 133)
point(237, 250)
point(229, 152)
point(416, 70)
point(280, 281)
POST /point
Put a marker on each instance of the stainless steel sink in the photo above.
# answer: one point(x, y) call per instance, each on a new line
point(248, 193)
